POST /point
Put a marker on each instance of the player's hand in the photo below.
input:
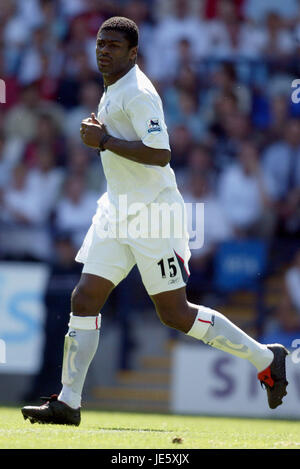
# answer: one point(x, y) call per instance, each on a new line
point(91, 120)
point(92, 131)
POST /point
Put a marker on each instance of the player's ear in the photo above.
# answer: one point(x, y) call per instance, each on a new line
point(133, 53)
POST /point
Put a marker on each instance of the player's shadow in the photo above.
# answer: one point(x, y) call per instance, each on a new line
point(118, 429)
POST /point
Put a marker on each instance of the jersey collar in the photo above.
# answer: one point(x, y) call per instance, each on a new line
point(123, 79)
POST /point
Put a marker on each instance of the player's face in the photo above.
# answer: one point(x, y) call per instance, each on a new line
point(113, 52)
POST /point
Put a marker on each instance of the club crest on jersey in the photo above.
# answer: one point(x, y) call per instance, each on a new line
point(153, 125)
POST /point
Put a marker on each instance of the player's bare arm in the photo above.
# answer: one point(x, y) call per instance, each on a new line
point(94, 135)
point(138, 152)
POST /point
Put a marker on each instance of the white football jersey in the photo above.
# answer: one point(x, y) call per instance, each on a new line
point(131, 110)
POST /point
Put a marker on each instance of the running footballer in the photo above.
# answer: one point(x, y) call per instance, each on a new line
point(130, 133)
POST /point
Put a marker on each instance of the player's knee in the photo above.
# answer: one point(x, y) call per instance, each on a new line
point(173, 319)
point(78, 299)
point(84, 300)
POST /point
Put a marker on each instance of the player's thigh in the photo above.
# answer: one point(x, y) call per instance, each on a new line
point(105, 256)
point(106, 263)
point(174, 310)
point(168, 303)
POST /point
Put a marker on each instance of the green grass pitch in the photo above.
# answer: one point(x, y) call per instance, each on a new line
point(114, 430)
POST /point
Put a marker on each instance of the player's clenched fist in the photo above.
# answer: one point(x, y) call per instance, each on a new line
point(92, 131)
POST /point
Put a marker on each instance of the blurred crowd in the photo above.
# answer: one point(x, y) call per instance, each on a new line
point(224, 70)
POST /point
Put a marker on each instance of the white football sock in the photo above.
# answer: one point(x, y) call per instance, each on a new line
point(216, 330)
point(81, 342)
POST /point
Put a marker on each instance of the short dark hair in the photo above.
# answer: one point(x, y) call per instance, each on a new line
point(123, 25)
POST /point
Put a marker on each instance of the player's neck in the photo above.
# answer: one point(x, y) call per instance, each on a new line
point(110, 79)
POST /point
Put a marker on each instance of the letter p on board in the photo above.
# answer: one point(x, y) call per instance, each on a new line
point(2, 351)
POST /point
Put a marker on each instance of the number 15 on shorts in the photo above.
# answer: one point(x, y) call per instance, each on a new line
point(171, 267)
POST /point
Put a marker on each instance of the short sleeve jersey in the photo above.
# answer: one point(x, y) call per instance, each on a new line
point(131, 110)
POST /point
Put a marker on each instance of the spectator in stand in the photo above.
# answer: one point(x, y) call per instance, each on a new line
point(168, 34)
point(243, 195)
point(24, 231)
point(11, 83)
point(230, 37)
point(233, 130)
point(181, 142)
point(185, 82)
point(90, 94)
point(199, 189)
point(222, 84)
point(276, 40)
point(16, 33)
point(48, 134)
point(71, 8)
point(270, 113)
point(256, 10)
point(76, 208)
point(225, 106)
point(22, 119)
point(210, 8)
point(282, 170)
point(21, 204)
point(284, 324)
point(292, 285)
point(43, 59)
point(94, 14)
point(284, 327)
point(53, 20)
point(187, 113)
point(279, 115)
point(76, 72)
point(199, 160)
point(10, 155)
point(80, 40)
point(139, 11)
point(32, 63)
point(46, 179)
point(84, 161)
point(48, 80)
point(185, 57)
point(217, 227)
point(30, 11)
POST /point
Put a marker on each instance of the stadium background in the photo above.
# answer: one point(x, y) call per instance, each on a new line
point(224, 70)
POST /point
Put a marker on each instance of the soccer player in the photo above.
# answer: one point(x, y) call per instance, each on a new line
point(131, 135)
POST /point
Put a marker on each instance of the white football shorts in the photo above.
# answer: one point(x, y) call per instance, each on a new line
point(161, 256)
